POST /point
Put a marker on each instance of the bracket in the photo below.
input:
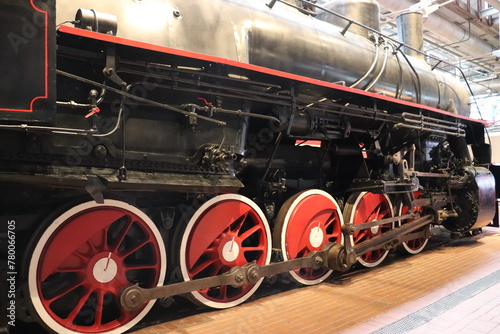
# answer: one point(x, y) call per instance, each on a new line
point(110, 70)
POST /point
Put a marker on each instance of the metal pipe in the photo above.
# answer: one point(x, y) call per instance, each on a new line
point(460, 133)
point(382, 70)
point(374, 63)
point(457, 126)
point(139, 99)
point(65, 131)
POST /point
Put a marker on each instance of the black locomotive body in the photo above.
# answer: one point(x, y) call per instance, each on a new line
point(150, 142)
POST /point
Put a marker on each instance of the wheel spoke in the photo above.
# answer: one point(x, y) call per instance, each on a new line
point(99, 310)
point(361, 236)
point(83, 257)
point(135, 248)
point(334, 224)
point(78, 307)
point(238, 224)
point(195, 271)
point(375, 214)
point(129, 267)
point(308, 272)
point(303, 252)
point(249, 232)
point(385, 213)
point(105, 238)
point(80, 270)
point(121, 236)
point(216, 269)
point(223, 292)
point(254, 249)
point(64, 292)
point(92, 247)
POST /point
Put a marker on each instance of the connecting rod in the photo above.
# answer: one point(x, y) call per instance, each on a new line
point(333, 256)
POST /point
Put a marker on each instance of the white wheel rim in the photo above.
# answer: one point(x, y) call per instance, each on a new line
point(183, 261)
point(405, 245)
point(314, 235)
point(350, 218)
point(37, 252)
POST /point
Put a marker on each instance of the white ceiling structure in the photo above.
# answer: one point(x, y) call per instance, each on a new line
point(461, 32)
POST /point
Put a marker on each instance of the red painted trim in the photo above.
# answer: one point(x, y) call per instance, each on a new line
point(313, 143)
point(189, 54)
point(46, 63)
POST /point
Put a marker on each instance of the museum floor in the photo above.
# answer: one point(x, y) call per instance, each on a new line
point(453, 286)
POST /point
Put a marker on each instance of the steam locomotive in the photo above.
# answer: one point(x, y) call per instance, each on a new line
point(151, 148)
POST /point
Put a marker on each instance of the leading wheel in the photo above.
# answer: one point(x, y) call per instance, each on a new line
point(82, 261)
point(305, 223)
point(228, 230)
point(365, 207)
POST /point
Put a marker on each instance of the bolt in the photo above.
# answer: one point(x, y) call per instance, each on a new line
point(239, 278)
point(177, 13)
point(93, 94)
point(100, 151)
point(318, 260)
point(132, 299)
point(109, 71)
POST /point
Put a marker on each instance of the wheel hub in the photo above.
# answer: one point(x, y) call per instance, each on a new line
point(230, 251)
point(105, 269)
point(316, 236)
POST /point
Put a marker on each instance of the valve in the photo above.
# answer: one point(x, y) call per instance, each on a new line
point(92, 112)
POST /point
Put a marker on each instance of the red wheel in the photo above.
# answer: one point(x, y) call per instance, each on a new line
point(417, 245)
point(229, 230)
point(83, 260)
point(366, 207)
point(305, 223)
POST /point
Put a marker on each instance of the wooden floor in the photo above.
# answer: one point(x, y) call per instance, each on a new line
point(453, 286)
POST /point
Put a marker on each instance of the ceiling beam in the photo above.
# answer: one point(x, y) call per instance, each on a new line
point(445, 31)
point(487, 12)
point(494, 3)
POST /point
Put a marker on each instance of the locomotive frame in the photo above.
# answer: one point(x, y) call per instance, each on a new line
point(143, 171)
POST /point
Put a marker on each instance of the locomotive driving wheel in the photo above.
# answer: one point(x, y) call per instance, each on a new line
point(365, 207)
point(226, 231)
point(305, 223)
point(84, 258)
point(417, 245)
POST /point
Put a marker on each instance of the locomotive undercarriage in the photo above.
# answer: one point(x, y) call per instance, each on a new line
point(203, 172)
